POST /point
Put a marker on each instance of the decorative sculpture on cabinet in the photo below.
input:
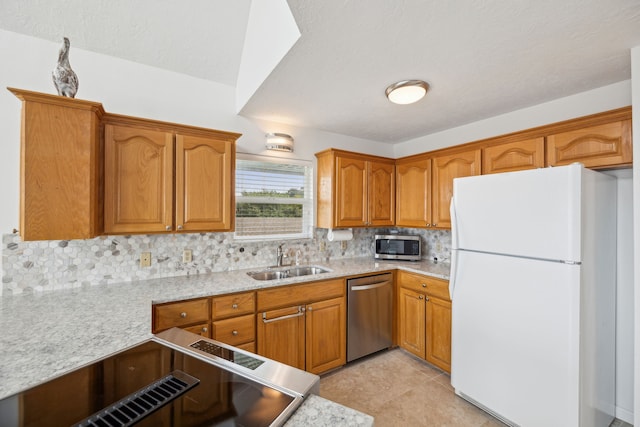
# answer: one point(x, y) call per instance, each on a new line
point(64, 78)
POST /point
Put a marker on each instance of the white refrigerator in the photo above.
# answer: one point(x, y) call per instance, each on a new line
point(533, 273)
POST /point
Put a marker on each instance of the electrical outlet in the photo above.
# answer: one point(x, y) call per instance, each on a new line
point(323, 246)
point(187, 255)
point(343, 245)
point(145, 259)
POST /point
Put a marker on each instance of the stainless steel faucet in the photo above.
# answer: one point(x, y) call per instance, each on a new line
point(279, 255)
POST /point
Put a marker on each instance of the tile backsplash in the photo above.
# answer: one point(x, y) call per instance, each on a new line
point(52, 265)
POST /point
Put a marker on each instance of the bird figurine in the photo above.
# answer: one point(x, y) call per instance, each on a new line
point(64, 78)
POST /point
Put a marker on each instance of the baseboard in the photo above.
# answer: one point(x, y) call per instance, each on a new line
point(624, 415)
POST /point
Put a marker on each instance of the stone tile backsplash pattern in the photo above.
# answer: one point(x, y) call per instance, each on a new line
point(52, 265)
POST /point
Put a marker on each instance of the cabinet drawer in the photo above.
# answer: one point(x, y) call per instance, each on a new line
point(234, 331)
point(300, 294)
point(233, 305)
point(419, 283)
point(202, 329)
point(182, 313)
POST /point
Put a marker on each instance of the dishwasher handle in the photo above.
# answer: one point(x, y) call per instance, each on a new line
point(371, 286)
point(288, 316)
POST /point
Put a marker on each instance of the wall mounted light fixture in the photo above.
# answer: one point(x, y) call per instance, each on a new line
point(279, 142)
point(407, 91)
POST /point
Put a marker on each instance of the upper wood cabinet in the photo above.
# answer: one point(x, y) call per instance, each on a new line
point(425, 186)
point(413, 192)
point(519, 155)
point(354, 190)
point(445, 169)
point(85, 172)
point(60, 167)
point(138, 180)
point(595, 146)
point(166, 180)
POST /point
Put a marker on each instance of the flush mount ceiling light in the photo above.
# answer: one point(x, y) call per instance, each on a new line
point(279, 142)
point(407, 91)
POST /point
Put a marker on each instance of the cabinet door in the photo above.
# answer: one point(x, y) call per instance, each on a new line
point(412, 322)
point(138, 180)
point(204, 184)
point(281, 335)
point(382, 190)
point(351, 189)
point(520, 155)
point(445, 169)
point(326, 341)
point(413, 193)
point(439, 333)
point(596, 146)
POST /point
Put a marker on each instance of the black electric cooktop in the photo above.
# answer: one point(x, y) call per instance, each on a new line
point(158, 384)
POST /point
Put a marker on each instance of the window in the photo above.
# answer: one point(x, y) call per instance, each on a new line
point(273, 197)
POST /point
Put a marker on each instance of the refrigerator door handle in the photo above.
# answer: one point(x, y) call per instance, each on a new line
point(454, 247)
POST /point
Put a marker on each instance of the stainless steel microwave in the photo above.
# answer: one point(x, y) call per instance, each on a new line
point(396, 246)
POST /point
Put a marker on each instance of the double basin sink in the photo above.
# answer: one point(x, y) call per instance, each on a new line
point(283, 273)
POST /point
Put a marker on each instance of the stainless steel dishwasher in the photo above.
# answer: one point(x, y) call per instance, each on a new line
point(369, 315)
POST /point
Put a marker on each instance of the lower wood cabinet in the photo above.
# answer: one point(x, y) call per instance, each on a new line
point(226, 318)
point(424, 322)
point(304, 325)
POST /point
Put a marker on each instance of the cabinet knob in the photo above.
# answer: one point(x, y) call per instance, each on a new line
point(204, 330)
point(309, 308)
point(180, 227)
point(168, 228)
point(183, 314)
point(424, 285)
point(428, 225)
point(426, 298)
point(435, 225)
point(234, 332)
point(234, 306)
point(420, 297)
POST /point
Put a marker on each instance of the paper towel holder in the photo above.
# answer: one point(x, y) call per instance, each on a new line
point(339, 235)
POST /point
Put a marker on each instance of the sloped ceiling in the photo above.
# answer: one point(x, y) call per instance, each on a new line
point(481, 57)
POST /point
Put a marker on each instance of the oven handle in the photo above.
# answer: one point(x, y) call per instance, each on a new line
point(371, 286)
point(288, 316)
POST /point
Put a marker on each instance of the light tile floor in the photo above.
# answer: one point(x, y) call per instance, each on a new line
point(400, 390)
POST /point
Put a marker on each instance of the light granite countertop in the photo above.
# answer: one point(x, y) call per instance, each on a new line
point(43, 335)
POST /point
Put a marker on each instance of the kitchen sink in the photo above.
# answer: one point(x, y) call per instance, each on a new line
point(270, 274)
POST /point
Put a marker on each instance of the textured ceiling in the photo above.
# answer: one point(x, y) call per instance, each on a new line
point(481, 57)
point(201, 38)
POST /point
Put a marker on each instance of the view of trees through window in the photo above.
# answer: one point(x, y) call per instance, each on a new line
point(273, 197)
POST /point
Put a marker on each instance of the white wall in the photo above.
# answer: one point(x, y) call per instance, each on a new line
point(635, 79)
point(128, 88)
point(594, 101)
point(624, 298)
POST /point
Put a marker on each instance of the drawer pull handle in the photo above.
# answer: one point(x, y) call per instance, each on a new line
point(234, 306)
point(183, 314)
point(234, 333)
point(300, 312)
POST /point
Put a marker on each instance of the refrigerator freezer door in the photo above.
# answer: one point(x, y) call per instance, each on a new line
point(532, 213)
point(515, 338)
